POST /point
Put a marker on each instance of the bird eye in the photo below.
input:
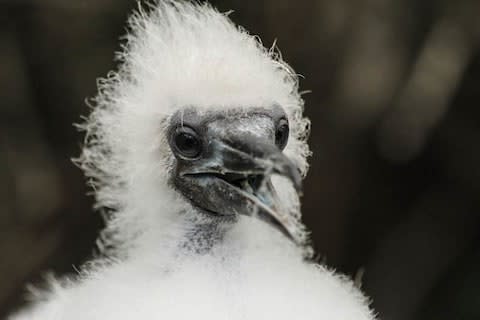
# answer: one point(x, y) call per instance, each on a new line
point(186, 142)
point(281, 133)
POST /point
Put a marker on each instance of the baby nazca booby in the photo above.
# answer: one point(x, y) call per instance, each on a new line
point(196, 149)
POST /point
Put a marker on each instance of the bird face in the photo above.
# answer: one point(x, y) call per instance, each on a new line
point(224, 162)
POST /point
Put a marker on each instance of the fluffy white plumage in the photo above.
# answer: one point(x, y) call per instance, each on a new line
point(177, 55)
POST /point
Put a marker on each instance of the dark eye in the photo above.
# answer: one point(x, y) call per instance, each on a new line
point(186, 142)
point(281, 133)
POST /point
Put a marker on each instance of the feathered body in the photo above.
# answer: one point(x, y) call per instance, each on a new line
point(177, 55)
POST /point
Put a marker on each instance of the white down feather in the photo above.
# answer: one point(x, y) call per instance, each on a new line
point(184, 54)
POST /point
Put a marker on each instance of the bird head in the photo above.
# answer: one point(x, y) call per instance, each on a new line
point(199, 118)
point(225, 160)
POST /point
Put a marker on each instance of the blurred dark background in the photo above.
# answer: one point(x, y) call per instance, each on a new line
point(394, 187)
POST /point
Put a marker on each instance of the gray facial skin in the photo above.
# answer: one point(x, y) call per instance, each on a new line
point(225, 160)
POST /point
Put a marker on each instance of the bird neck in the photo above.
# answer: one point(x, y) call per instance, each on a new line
point(204, 232)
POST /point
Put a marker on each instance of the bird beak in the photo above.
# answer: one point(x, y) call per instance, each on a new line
point(234, 178)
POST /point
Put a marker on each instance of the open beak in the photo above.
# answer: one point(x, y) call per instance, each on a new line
point(234, 177)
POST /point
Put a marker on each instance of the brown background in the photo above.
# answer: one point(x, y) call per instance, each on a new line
point(395, 179)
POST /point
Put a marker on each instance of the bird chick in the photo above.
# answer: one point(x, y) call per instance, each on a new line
point(196, 147)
